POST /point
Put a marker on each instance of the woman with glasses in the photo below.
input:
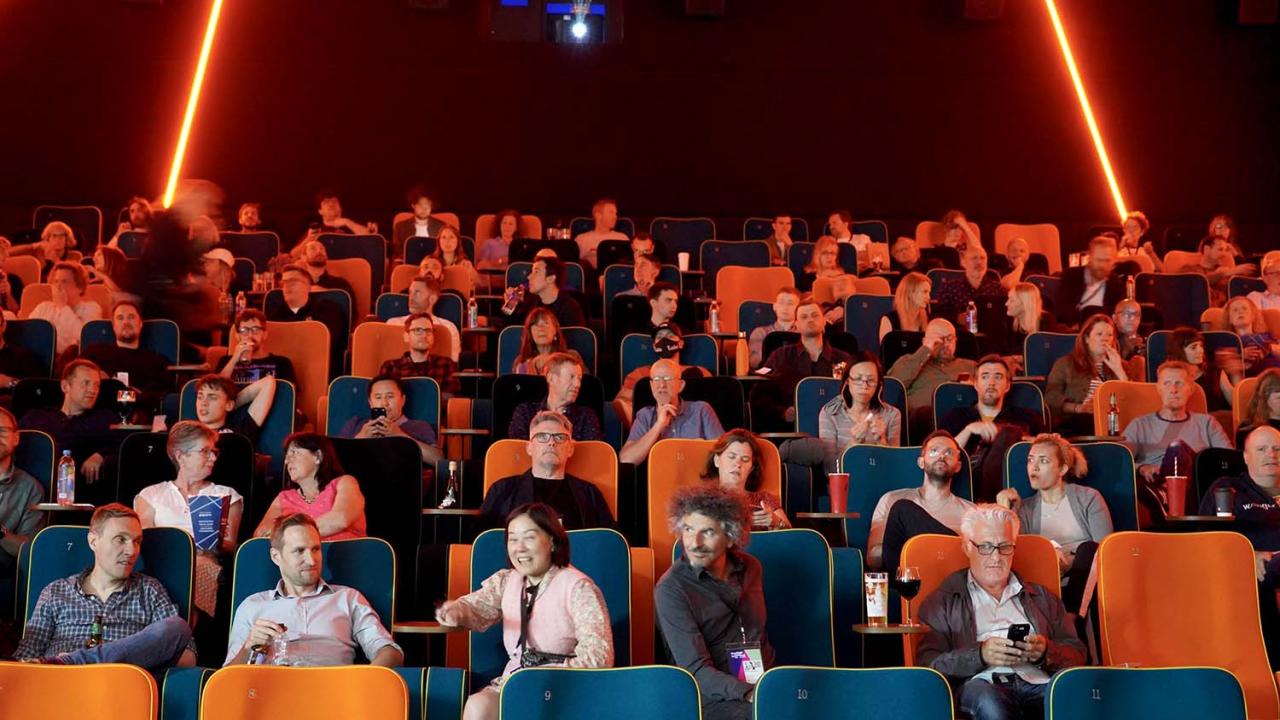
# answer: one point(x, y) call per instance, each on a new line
point(825, 262)
point(56, 241)
point(1223, 226)
point(1073, 516)
point(1268, 299)
point(320, 490)
point(192, 448)
point(736, 464)
point(857, 416)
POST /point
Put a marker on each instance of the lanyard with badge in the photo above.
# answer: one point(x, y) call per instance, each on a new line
point(746, 662)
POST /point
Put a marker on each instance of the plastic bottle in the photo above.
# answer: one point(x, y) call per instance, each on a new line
point(1113, 417)
point(742, 366)
point(971, 317)
point(1130, 288)
point(241, 303)
point(714, 320)
point(473, 312)
point(66, 479)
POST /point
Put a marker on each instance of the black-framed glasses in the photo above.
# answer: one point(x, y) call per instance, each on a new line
point(545, 437)
point(1005, 549)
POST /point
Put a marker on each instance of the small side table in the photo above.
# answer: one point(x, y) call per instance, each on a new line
point(425, 627)
point(894, 629)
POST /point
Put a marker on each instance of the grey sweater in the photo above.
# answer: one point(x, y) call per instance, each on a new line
point(1149, 436)
point(1087, 505)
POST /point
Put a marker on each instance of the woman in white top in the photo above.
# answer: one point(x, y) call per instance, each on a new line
point(1269, 298)
point(192, 448)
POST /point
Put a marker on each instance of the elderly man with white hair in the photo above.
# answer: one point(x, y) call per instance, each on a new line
point(975, 612)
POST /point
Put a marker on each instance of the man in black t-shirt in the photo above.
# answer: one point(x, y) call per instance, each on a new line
point(224, 407)
point(546, 283)
point(250, 361)
point(300, 304)
point(146, 369)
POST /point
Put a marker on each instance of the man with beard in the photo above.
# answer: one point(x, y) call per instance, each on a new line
point(988, 429)
point(922, 371)
point(710, 603)
point(772, 403)
point(146, 369)
point(316, 261)
point(931, 508)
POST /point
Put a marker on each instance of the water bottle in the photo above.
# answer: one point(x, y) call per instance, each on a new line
point(473, 312)
point(279, 650)
point(514, 296)
point(743, 356)
point(224, 308)
point(971, 317)
point(1113, 417)
point(66, 479)
point(241, 303)
point(451, 493)
point(1130, 288)
point(714, 321)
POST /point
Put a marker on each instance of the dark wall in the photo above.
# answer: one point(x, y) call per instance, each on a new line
point(894, 108)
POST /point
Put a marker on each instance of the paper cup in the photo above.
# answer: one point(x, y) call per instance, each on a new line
point(1224, 501)
point(838, 490)
point(1175, 489)
point(682, 261)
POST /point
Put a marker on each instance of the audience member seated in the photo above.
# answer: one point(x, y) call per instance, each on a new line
point(1264, 406)
point(320, 489)
point(1257, 517)
point(922, 371)
point(773, 402)
point(1134, 240)
point(540, 339)
point(904, 257)
point(1170, 437)
point(68, 311)
point(1074, 378)
point(299, 305)
point(1261, 349)
point(784, 312)
point(250, 361)
point(856, 416)
point(420, 224)
point(971, 614)
point(111, 270)
point(1013, 266)
point(642, 244)
point(419, 361)
point(605, 215)
point(19, 494)
point(16, 362)
point(137, 219)
point(387, 419)
point(137, 621)
point(711, 601)
point(735, 463)
point(320, 624)
point(192, 448)
point(495, 252)
point(424, 292)
point(667, 343)
point(1223, 226)
point(450, 253)
point(564, 380)
point(987, 430)
point(55, 246)
point(577, 502)
point(1218, 375)
point(978, 283)
point(779, 241)
point(1268, 299)
point(1090, 288)
point(571, 626)
point(664, 299)
point(144, 369)
point(203, 235)
point(219, 269)
point(825, 262)
point(249, 217)
point(330, 219)
point(546, 280)
point(931, 508)
point(10, 285)
point(1026, 316)
point(644, 273)
point(432, 268)
point(910, 305)
point(85, 431)
point(1217, 264)
point(1075, 526)
point(1129, 339)
point(840, 223)
point(842, 288)
point(315, 260)
point(223, 406)
point(959, 233)
point(669, 417)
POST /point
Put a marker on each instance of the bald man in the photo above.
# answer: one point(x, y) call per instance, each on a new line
point(669, 417)
point(1258, 518)
point(922, 371)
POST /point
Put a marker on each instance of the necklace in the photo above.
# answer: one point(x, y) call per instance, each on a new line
point(308, 500)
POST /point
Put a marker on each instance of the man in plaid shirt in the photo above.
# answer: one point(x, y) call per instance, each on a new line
point(418, 361)
point(140, 624)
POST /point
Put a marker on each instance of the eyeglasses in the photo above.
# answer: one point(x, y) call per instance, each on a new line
point(654, 379)
point(211, 453)
point(938, 452)
point(984, 549)
point(252, 330)
point(544, 438)
point(862, 379)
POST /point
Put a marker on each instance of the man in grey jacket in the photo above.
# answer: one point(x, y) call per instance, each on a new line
point(970, 616)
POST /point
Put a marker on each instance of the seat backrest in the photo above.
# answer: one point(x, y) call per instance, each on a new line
point(36, 336)
point(1175, 259)
point(349, 400)
point(581, 340)
point(260, 247)
point(579, 225)
point(26, 267)
point(653, 692)
point(518, 273)
point(1157, 348)
point(371, 248)
point(753, 314)
point(939, 556)
point(85, 221)
point(675, 463)
point(593, 461)
point(951, 395)
point(701, 350)
point(306, 344)
point(875, 470)
point(679, 235)
point(367, 564)
point(1042, 238)
point(373, 343)
point(160, 336)
point(811, 394)
point(1111, 473)
point(760, 228)
point(735, 285)
point(802, 693)
point(1240, 285)
point(32, 295)
point(402, 276)
point(359, 275)
point(1108, 693)
point(1042, 349)
point(897, 343)
point(530, 226)
point(60, 551)
point(600, 554)
point(115, 692)
point(717, 254)
point(34, 455)
point(390, 305)
point(264, 692)
point(1146, 583)
point(1180, 297)
point(1135, 399)
point(798, 577)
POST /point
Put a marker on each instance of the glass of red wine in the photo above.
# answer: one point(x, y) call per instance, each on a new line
point(907, 582)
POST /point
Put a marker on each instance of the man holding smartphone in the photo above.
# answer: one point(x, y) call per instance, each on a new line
point(995, 638)
point(386, 418)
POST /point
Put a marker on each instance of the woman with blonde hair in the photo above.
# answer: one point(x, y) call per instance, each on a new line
point(825, 262)
point(1261, 349)
point(1025, 310)
point(910, 305)
point(55, 245)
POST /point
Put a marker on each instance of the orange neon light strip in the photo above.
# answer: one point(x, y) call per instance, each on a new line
point(1083, 97)
point(192, 100)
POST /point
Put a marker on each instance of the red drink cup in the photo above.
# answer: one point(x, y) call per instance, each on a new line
point(1175, 489)
point(838, 491)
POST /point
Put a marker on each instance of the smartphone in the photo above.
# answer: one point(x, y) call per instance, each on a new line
point(377, 413)
point(1018, 632)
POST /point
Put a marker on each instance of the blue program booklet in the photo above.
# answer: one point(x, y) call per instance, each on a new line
point(208, 520)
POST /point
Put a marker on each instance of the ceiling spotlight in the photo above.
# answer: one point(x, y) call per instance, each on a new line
point(579, 28)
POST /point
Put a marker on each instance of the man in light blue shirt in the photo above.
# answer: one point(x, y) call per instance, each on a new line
point(670, 417)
